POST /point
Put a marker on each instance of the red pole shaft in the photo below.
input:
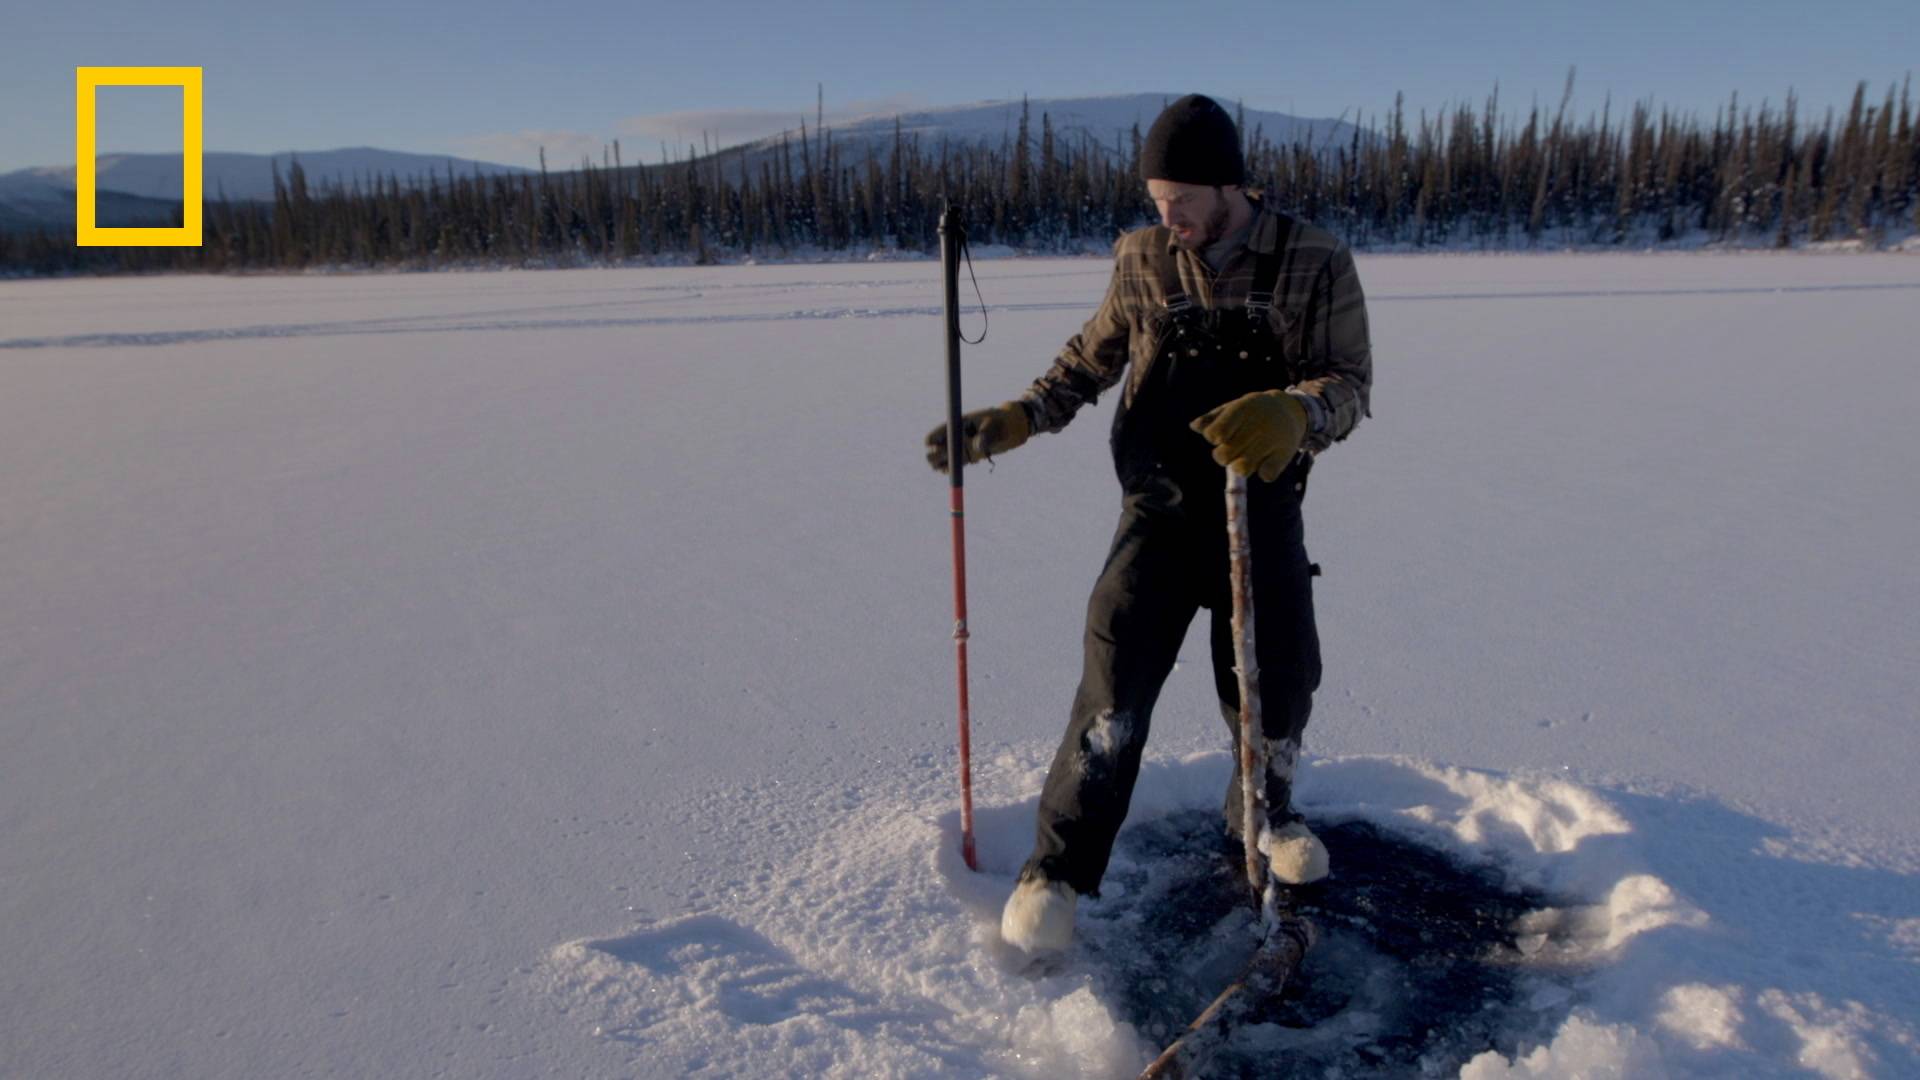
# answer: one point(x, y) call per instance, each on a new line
point(952, 235)
point(959, 512)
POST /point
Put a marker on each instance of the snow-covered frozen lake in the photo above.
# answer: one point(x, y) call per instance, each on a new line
point(549, 673)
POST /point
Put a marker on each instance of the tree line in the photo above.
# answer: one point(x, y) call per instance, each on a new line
point(1464, 176)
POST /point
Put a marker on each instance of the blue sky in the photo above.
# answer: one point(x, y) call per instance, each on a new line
point(494, 80)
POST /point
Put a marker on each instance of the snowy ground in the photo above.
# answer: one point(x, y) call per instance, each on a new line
point(514, 674)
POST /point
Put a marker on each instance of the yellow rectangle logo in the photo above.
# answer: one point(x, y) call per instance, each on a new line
point(86, 81)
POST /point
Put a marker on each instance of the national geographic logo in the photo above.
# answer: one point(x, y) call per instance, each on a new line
point(87, 80)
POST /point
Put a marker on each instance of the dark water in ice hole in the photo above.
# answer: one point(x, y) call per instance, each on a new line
point(1416, 969)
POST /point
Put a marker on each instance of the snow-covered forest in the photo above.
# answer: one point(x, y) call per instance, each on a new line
point(1625, 174)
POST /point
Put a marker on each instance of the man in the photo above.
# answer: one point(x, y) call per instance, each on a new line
point(1242, 337)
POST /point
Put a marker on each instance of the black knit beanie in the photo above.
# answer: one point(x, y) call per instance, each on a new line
point(1193, 142)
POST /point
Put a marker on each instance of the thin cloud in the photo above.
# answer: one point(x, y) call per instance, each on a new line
point(564, 148)
point(729, 127)
point(641, 136)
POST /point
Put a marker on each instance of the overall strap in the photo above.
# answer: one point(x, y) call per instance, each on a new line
point(1177, 301)
point(1266, 272)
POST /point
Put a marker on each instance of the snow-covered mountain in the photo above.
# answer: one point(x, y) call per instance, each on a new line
point(1105, 123)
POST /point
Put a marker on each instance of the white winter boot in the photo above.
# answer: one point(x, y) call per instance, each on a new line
point(1294, 855)
point(1038, 917)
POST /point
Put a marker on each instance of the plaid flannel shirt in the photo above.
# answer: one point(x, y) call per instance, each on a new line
point(1318, 311)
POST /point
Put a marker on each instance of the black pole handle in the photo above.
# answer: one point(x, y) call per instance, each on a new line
point(953, 234)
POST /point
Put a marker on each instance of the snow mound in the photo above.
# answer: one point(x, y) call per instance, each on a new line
point(1582, 1048)
point(1660, 890)
point(873, 951)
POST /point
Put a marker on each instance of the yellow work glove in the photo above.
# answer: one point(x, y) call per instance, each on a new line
point(1258, 433)
point(984, 433)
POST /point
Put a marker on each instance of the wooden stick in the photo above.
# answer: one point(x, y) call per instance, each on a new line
point(1240, 1004)
point(1253, 743)
point(1284, 937)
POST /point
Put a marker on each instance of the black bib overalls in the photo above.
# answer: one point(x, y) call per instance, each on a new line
point(1168, 560)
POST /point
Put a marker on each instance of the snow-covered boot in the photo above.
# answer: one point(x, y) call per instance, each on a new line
point(1294, 855)
point(1038, 917)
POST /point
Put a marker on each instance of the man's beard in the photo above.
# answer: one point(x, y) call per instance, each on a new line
point(1210, 231)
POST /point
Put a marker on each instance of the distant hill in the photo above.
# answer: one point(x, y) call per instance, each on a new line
point(30, 201)
point(43, 196)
